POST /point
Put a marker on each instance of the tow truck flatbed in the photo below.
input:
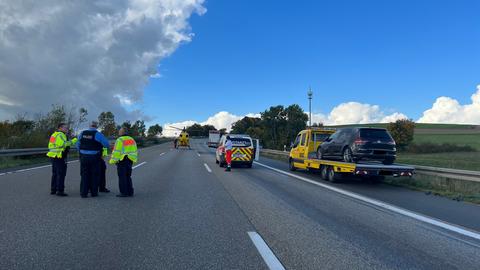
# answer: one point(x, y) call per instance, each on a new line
point(303, 157)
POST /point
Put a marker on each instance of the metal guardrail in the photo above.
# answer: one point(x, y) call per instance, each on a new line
point(26, 152)
point(464, 175)
point(22, 152)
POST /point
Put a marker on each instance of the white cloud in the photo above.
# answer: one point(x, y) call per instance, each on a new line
point(449, 110)
point(86, 53)
point(356, 113)
point(220, 120)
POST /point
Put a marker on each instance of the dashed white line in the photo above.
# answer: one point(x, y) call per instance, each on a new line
point(206, 167)
point(198, 154)
point(161, 154)
point(270, 259)
point(398, 210)
point(34, 168)
point(141, 164)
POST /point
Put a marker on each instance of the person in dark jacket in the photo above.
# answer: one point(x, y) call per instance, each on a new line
point(90, 146)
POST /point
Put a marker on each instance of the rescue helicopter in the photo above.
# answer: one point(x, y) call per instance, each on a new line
point(183, 140)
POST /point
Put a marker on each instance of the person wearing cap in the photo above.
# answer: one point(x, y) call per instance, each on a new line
point(90, 146)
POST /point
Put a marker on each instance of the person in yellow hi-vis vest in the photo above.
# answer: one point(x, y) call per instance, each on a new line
point(58, 147)
point(102, 185)
point(124, 154)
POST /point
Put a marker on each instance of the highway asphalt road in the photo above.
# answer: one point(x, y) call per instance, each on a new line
point(188, 213)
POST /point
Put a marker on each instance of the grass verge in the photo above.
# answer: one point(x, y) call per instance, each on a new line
point(440, 186)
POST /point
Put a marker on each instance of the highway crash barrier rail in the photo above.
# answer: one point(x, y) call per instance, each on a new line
point(22, 152)
point(473, 176)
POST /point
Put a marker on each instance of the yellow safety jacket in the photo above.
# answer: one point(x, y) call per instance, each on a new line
point(124, 146)
point(58, 143)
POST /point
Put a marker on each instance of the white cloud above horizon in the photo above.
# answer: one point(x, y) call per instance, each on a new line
point(356, 113)
point(448, 110)
point(220, 120)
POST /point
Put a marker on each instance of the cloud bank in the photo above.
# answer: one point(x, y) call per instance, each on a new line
point(449, 110)
point(356, 113)
point(93, 54)
point(220, 120)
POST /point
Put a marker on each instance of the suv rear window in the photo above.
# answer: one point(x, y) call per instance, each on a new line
point(241, 142)
point(375, 134)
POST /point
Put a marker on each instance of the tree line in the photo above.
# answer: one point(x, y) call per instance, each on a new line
point(23, 132)
point(276, 127)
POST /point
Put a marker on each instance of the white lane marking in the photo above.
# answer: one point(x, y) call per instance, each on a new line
point(161, 154)
point(206, 167)
point(141, 164)
point(429, 220)
point(31, 169)
point(198, 154)
point(270, 259)
point(34, 168)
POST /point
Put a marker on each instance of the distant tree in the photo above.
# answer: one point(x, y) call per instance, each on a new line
point(206, 129)
point(296, 122)
point(223, 131)
point(195, 130)
point(106, 122)
point(242, 125)
point(139, 128)
point(274, 121)
point(79, 119)
point(154, 130)
point(128, 128)
point(402, 132)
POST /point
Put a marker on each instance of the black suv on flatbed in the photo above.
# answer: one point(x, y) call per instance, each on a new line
point(355, 144)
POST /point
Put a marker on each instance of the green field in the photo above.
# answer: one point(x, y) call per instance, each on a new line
point(417, 126)
point(462, 161)
point(472, 140)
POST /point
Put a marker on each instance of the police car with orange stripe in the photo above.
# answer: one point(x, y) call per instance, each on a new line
point(242, 151)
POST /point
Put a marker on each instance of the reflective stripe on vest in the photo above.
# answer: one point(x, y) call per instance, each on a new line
point(54, 149)
point(124, 146)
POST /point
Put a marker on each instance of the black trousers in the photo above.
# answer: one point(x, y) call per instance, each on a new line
point(90, 172)
point(102, 185)
point(59, 171)
point(124, 171)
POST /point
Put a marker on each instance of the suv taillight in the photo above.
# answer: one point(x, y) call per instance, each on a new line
point(359, 141)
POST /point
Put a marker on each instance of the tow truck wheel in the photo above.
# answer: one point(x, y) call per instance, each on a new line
point(291, 166)
point(332, 175)
point(324, 172)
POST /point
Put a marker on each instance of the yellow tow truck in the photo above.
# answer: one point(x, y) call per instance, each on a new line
point(303, 155)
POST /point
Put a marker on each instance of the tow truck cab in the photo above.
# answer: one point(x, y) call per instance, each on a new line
point(306, 144)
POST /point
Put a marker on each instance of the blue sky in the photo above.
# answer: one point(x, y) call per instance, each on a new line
point(248, 55)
